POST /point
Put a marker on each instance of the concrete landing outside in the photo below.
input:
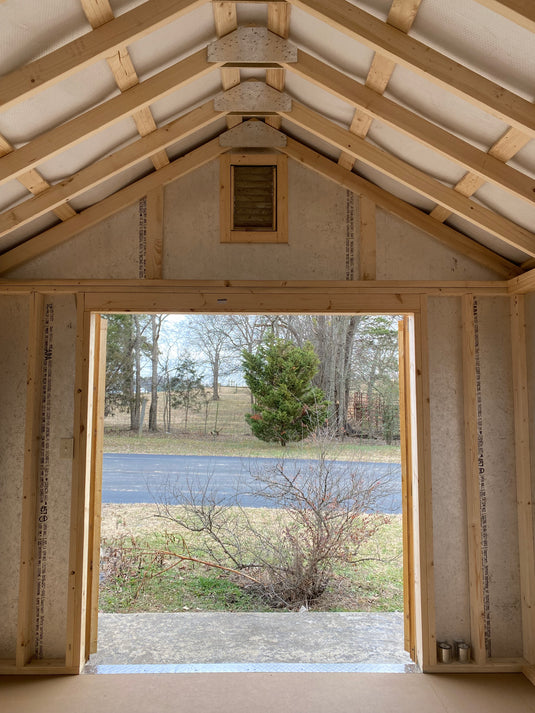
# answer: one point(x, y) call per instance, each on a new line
point(222, 637)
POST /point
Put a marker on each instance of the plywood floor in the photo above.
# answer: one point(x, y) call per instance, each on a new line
point(269, 693)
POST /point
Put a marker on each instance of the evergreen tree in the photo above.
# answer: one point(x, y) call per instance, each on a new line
point(287, 406)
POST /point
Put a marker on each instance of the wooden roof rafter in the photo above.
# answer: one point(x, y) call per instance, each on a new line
point(522, 12)
point(486, 166)
point(423, 60)
point(99, 12)
point(211, 150)
point(392, 204)
point(80, 128)
point(412, 177)
point(98, 44)
point(108, 167)
point(401, 15)
point(98, 212)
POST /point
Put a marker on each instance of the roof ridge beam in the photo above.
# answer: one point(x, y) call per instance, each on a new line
point(98, 44)
point(81, 127)
point(443, 233)
point(108, 167)
point(423, 60)
point(407, 175)
point(387, 111)
point(109, 206)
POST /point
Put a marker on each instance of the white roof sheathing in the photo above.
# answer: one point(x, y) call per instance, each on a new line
point(463, 30)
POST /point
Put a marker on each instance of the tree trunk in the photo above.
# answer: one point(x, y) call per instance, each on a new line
point(155, 321)
point(136, 400)
point(215, 378)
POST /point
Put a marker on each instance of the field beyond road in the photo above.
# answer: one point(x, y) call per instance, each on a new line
point(190, 444)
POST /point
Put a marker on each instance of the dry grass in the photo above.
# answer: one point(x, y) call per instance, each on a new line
point(375, 584)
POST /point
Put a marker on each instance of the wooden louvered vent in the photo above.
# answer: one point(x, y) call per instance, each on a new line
point(254, 198)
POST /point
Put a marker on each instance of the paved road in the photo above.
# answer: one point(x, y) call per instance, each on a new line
point(141, 478)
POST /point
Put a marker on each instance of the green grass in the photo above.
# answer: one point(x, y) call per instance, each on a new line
point(247, 446)
point(226, 418)
point(136, 582)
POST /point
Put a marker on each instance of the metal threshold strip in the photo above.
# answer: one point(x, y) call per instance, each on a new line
point(252, 668)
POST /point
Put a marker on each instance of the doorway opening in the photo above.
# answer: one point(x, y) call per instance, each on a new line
point(188, 413)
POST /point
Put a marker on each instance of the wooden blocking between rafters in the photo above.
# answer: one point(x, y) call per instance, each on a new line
point(523, 475)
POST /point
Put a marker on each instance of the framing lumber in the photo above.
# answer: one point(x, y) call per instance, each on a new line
point(520, 11)
point(475, 566)
point(96, 213)
point(95, 500)
point(30, 484)
point(251, 301)
point(504, 149)
point(412, 177)
point(279, 23)
point(425, 61)
point(35, 183)
point(88, 49)
point(405, 424)
point(368, 237)
point(226, 21)
point(424, 604)
point(496, 288)
point(523, 475)
point(401, 15)
point(396, 206)
point(82, 127)
point(108, 167)
point(98, 12)
point(77, 593)
point(529, 673)
point(489, 167)
point(153, 259)
point(522, 284)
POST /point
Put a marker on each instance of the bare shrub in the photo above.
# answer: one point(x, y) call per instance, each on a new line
point(320, 514)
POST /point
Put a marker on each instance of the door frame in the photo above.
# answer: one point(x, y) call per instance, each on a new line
point(253, 298)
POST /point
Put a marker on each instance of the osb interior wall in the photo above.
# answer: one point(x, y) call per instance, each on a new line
point(60, 315)
point(530, 339)
point(54, 401)
point(14, 314)
point(323, 244)
point(450, 545)
point(498, 522)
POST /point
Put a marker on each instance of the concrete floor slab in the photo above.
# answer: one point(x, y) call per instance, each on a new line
point(262, 638)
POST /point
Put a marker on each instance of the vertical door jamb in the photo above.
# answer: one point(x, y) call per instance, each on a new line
point(95, 501)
